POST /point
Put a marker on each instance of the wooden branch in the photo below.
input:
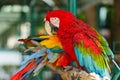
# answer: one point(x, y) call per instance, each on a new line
point(65, 75)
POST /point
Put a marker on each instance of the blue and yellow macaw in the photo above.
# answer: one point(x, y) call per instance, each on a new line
point(50, 52)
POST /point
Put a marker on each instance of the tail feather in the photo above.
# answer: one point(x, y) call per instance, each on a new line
point(32, 64)
point(19, 75)
point(38, 69)
point(35, 55)
point(26, 74)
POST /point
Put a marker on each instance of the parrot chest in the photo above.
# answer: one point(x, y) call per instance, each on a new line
point(68, 46)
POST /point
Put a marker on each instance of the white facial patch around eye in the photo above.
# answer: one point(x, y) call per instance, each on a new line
point(55, 21)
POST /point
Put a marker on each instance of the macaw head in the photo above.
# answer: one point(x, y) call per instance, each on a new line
point(55, 19)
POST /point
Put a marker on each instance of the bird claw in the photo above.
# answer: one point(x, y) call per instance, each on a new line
point(71, 75)
point(78, 75)
point(67, 68)
point(94, 76)
point(82, 75)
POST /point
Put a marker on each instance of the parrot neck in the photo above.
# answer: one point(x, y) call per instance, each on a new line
point(65, 36)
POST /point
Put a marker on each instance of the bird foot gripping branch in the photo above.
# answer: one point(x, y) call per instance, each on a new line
point(74, 73)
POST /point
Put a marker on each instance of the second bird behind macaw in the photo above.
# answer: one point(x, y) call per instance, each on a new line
point(49, 51)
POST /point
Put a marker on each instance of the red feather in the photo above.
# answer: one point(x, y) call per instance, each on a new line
point(63, 60)
point(18, 75)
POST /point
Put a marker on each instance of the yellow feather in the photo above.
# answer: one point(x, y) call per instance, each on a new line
point(51, 42)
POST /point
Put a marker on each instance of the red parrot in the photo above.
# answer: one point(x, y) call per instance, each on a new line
point(80, 41)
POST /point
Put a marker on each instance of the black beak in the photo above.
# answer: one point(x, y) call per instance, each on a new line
point(53, 28)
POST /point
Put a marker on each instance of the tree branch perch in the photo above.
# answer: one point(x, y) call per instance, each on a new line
point(65, 75)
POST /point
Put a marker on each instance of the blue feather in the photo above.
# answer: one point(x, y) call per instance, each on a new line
point(39, 59)
point(90, 65)
point(34, 55)
point(56, 50)
point(26, 74)
point(79, 56)
point(40, 66)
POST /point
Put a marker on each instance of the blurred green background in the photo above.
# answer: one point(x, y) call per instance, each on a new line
point(21, 18)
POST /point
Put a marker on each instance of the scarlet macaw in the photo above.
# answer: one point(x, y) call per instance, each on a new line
point(81, 42)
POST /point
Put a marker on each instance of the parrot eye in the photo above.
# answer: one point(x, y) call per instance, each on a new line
point(55, 21)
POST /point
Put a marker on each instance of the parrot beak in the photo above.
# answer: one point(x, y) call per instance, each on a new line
point(53, 28)
point(48, 28)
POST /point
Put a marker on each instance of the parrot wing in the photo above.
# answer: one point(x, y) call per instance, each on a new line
point(92, 53)
point(54, 45)
point(50, 42)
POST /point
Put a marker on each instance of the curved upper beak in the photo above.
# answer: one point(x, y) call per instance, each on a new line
point(48, 28)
